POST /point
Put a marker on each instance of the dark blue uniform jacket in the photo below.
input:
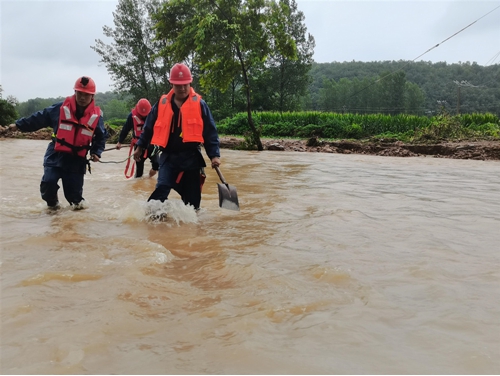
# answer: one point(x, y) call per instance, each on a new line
point(178, 154)
point(127, 127)
point(49, 117)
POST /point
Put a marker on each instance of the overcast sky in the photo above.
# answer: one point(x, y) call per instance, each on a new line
point(45, 45)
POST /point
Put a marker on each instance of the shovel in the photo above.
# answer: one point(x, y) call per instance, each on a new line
point(228, 198)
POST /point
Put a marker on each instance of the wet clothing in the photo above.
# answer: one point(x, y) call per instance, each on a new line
point(75, 135)
point(131, 125)
point(181, 162)
point(72, 185)
point(153, 158)
point(190, 121)
point(57, 165)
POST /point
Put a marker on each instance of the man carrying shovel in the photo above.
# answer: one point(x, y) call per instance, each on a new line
point(178, 124)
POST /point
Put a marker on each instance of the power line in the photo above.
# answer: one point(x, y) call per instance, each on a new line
point(430, 49)
point(437, 45)
point(492, 60)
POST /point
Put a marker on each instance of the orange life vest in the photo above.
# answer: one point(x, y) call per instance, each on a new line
point(191, 119)
point(75, 136)
point(138, 123)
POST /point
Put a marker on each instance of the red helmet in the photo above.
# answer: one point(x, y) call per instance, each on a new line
point(180, 75)
point(85, 85)
point(143, 107)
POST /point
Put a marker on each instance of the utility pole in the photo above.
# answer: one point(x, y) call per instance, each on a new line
point(459, 85)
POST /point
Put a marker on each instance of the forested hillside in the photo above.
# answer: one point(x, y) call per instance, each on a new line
point(390, 87)
point(466, 87)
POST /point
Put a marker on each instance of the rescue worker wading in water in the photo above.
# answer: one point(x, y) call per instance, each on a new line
point(135, 122)
point(178, 124)
point(78, 128)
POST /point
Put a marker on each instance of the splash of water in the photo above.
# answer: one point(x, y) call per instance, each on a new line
point(156, 212)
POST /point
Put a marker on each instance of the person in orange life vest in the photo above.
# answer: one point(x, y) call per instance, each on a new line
point(78, 129)
point(179, 123)
point(135, 121)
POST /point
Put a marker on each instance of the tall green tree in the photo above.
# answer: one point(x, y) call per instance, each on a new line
point(226, 39)
point(115, 109)
point(414, 99)
point(289, 77)
point(226, 104)
point(8, 113)
point(131, 59)
point(33, 105)
point(327, 96)
point(370, 96)
point(392, 86)
point(12, 100)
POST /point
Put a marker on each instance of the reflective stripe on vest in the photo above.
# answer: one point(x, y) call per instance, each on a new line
point(72, 136)
point(67, 112)
point(138, 123)
point(66, 127)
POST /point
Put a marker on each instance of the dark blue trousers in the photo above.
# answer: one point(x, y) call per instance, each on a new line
point(186, 183)
point(139, 166)
point(72, 185)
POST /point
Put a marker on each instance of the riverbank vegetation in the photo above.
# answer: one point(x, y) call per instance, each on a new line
point(261, 80)
point(402, 127)
point(314, 125)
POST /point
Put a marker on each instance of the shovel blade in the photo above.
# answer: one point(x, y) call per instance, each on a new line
point(228, 198)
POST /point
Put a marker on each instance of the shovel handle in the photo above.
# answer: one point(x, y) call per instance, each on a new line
point(221, 177)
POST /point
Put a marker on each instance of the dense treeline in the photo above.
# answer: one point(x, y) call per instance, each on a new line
point(113, 105)
point(460, 88)
point(421, 88)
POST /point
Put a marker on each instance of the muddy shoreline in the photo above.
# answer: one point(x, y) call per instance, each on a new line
point(477, 150)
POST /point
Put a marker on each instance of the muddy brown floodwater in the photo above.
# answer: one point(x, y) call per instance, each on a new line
point(335, 264)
